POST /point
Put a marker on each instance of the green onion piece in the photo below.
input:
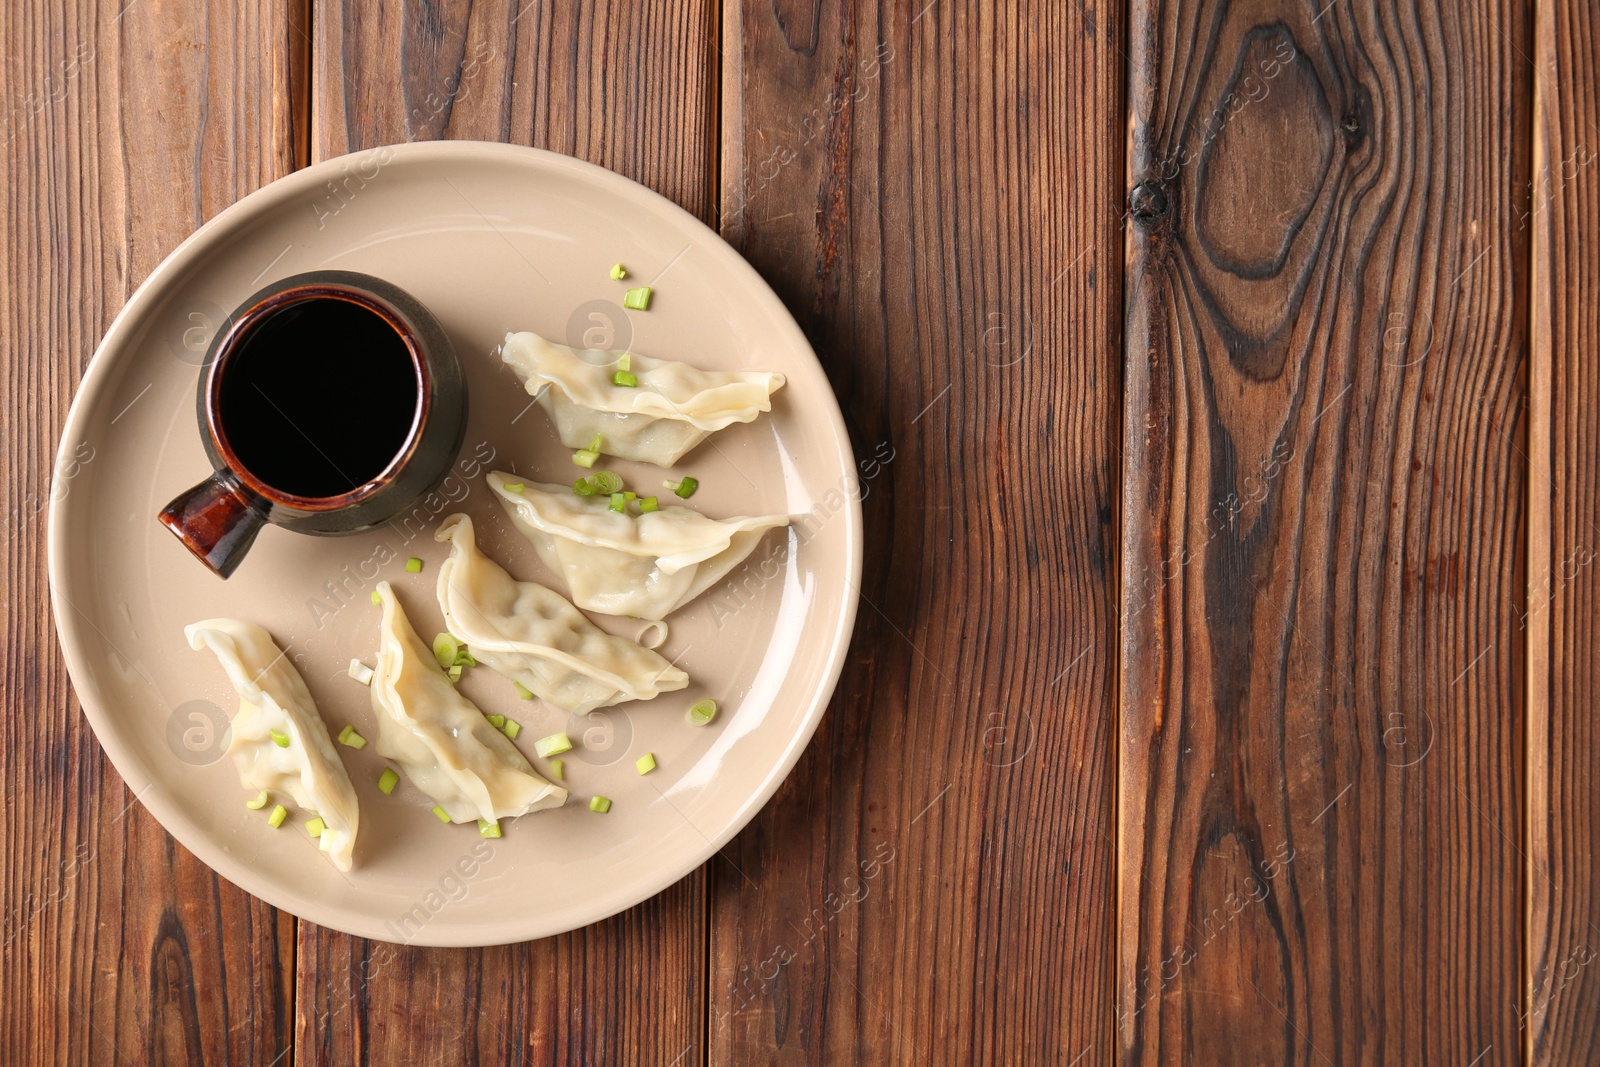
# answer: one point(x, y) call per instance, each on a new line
point(600, 804)
point(606, 482)
point(702, 713)
point(455, 672)
point(594, 442)
point(553, 745)
point(316, 826)
point(258, 803)
point(445, 648)
point(440, 814)
point(619, 503)
point(686, 488)
point(647, 504)
point(558, 769)
point(497, 720)
point(512, 487)
point(376, 598)
point(645, 763)
point(637, 299)
point(625, 362)
point(464, 658)
point(629, 495)
point(279, 814)
point(618, 272)
point(625, 378)
point(387, 781)
point(280, 738)
point(512, 728)
point(360, 672)
point(413, 565)
point(523, 692)
point(488, 829)
point(583, 487)
point(585, 457)
point(349, 737)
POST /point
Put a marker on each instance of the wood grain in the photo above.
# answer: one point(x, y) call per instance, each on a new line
point(933, 190)
point(1324, 534)
point(631, 87)
point(1561, 209)
point(126, 127)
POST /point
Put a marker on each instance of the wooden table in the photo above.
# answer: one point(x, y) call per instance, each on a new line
point(1224, 686)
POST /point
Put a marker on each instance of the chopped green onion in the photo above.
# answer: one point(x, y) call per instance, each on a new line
point(619, 503)
point(558, 769)
point(512, 487)
point(464, 658)
point(637, 299)
point(702, 713)
point(360, 672)
point(647, 504)
point(645, 763)
point(585, 457)
point(618, 272)
point(316, 826)
point(625, 362)
point(376, 597)
point(584, 487)
point(523, 692)
point(606, 482)
point(455, 673)
point(497, 720)
point(413, 565)
point(440, 814)
point(387, 781)
point(685, 488)
point(600, 804)
point(629, 495)
point(553, 745)
point(258, 803)
point(488, 829)
point(594, 442)
point(279, 814)
point(625, 378)
point(348, 736)
point(280, 738)
point(445, 648)
point(512, 728)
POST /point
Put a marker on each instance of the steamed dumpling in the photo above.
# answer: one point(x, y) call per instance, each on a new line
point(272, 696)
point(647, 566)
point(673, 408)
point(445, 745)
point(532, 635)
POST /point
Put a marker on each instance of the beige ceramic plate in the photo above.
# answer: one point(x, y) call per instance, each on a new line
point(492, 238)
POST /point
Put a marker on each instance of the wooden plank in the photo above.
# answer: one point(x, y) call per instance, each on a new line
point(126, 127)
point(933, 191)
point(1324, 540)
point(1561, 208)
point(631, 87)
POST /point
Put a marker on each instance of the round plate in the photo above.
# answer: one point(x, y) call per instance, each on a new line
point(491, 238)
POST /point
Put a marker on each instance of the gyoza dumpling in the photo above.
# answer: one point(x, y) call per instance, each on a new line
point(441, 740)
point(673, 408)
point(272, 696)
point(643, 565)
point(533, 636)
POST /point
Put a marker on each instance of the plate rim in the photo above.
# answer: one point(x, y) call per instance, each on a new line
point(94, 382)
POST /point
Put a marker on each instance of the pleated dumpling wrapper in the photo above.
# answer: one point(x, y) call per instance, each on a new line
point(647, 566)
point(443, 743)
point(534, 637)
point(671, 408)
point(273, 697)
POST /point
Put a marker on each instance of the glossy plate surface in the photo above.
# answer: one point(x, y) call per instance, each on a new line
point(491, 238)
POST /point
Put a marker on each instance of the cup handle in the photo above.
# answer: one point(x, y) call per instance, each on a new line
point(217, 520)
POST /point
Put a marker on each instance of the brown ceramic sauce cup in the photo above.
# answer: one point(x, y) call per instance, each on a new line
point(330, 402)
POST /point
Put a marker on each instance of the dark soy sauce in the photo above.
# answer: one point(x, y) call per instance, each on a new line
point(318, 398)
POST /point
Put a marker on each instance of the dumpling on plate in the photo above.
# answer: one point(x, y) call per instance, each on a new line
point(672, 408)
point(443, 743)
point(274, 698)
point(646, 565)
point(534, 637)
